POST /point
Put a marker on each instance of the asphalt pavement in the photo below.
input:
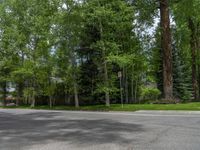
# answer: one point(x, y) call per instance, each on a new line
point(76, 130)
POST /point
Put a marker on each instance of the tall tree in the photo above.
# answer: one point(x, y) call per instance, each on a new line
point(166, 46)
point(189, 22)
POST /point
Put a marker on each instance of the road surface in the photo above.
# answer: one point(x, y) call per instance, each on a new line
point(66, 130)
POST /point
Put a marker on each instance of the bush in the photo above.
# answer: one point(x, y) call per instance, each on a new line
point(150, 93)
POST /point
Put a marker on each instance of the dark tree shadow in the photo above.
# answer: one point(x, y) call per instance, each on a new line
point(30, 129)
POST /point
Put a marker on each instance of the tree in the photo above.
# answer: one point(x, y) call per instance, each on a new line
point(7, 36)
point(110, 23)
point(67, 27)
point(167, 50)
point(70, 51)
point(189, 24)
point(146, 16)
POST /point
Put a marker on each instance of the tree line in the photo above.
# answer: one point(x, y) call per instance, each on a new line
point(99, 51)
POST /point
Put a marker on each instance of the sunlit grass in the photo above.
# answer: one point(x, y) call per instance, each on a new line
point(118, 107)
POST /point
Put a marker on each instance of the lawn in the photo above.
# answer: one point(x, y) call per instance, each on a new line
point(118, 107)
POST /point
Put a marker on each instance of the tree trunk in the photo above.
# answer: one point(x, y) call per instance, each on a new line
point(198, 67)
point(18, 98)
point(33, 102)
point(107, 96)
point(66, 99)
point(136, 86)
point(76, 95)
point(76, 100)
point(19, 93)
point(105, 69)
point(132, 91)
point(193, 53)
point(132, 86)
point(4, 93)
point(50, 101)
point(198, 80)
point(198, 49)
point(126, 86)
point(75, 87)
point(167, 50)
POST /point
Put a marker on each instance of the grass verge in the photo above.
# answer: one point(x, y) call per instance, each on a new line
point(118, 107)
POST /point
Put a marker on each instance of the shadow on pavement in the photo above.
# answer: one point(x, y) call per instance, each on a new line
point(19, 131)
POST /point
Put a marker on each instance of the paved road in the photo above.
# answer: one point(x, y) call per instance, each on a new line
point(59, 130)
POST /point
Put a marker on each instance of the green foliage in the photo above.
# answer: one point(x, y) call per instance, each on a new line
point(150, 93)
point(29, 93)
point(181, 75)
point(67, 49)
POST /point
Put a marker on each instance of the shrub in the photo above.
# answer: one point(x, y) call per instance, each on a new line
point(150, 93)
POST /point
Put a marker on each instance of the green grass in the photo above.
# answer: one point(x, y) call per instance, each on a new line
point(117, 107)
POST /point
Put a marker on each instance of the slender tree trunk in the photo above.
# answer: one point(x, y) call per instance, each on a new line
point(123, 82)
point(132, 86)
point(107, 96)
point(198, 46)
point(20, 84)
point(193, 53)
point(132, 91)
point(54, 100)
point(33, 102)
point(76, 99)
point(4, 93)
point(18, 97)
point(105, 69)
point(126, 86)
point(75, 86)
point(50, 101)
point(92, 88)
point(198, 65)
point(198, 56)
point(26, 100)
point(19, 93)
point(136, 86)
point(75, 91)
point(76, 95)
point(121, 89)
point(198, 80)
point(167, 50)
point(66, 99)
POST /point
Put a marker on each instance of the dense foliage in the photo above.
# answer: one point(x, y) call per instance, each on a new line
point(99, 51)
